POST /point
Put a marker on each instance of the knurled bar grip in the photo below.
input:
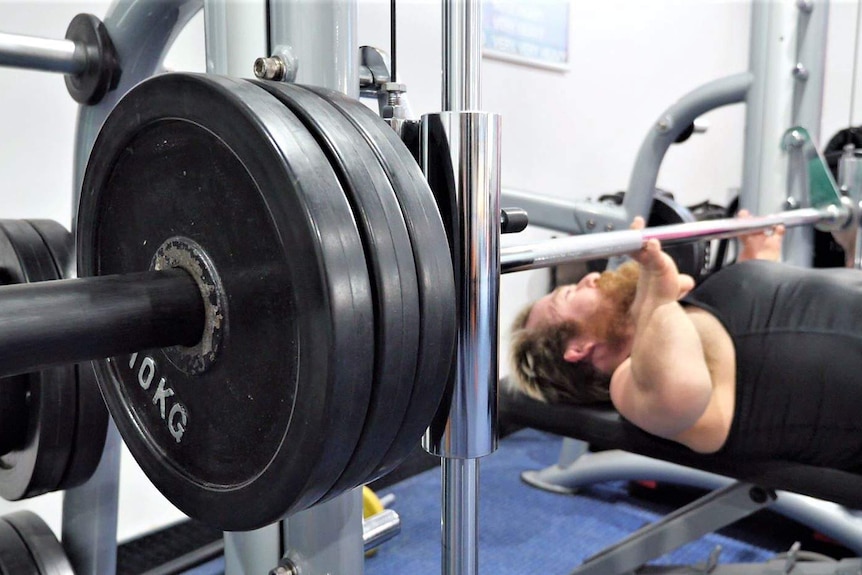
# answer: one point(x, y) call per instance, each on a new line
point(73, 320)
point(603, 245)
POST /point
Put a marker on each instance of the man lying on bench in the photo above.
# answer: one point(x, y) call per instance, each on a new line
point(763, 360)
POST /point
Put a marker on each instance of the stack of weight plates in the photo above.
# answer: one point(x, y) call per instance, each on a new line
point(339, 319)
point(52, 422)
point(29, 547)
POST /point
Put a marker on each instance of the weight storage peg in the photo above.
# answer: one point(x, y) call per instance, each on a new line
point(87, 57)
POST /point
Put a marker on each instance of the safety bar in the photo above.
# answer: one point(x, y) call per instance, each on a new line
point(603, 245)
point(43, 54)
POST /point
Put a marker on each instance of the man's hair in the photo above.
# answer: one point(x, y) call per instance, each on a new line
point(541, 372)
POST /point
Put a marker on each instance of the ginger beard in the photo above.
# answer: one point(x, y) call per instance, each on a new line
point(611, 322)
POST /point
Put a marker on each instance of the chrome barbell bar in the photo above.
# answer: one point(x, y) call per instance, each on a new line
point(603, 245)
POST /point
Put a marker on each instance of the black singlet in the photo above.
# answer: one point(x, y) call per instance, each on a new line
point(797, 334)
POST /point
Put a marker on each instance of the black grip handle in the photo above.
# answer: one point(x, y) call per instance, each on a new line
point(513, 220)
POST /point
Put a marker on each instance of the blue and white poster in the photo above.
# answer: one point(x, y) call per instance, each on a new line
point(532, 32)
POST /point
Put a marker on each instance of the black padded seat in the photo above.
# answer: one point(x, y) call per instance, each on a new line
point(603, 428)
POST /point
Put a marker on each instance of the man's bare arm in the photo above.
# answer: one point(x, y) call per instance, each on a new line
point(665, 386)
point(847, 240)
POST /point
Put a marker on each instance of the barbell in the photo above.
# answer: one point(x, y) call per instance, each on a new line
point(831, 217)
point(267, 288)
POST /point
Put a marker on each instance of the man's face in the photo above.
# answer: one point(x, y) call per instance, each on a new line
point(599, 304)
point(574, 302)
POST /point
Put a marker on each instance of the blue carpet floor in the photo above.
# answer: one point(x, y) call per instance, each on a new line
point(525, 530)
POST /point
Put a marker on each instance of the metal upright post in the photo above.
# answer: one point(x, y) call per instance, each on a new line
point(465, 143)
point(89, 530)
point(249, 552)
point(462, 55)
point(142, 32)
point(235, 35)
point(787, 52)
point(850, 180)
point(322, 37)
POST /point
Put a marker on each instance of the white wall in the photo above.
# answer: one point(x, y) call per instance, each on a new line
point(570, 134)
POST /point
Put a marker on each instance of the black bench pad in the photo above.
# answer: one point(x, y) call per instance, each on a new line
point(603, 428)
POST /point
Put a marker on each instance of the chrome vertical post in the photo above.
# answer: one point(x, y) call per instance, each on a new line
point(462, 55)
point(461, 158)
point(462, 150)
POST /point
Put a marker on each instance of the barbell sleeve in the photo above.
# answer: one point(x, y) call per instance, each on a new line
point(43, 54)
point(603, 245)
point(68, 321)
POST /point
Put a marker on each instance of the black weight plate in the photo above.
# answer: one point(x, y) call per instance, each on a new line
point(37, 467)
point(45, 549)
point(15, 558)
point(60, 243)
point(391, 267)
point(268, 428)
point(36, 260)
point(91, 428)
point(91, 422)
point(437, 327)
point(13, 390)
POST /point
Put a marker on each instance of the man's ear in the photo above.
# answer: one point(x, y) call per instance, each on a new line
point(577, 349)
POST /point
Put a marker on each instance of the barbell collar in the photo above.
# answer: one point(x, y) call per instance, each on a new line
point(603, 245)
point(69, 321)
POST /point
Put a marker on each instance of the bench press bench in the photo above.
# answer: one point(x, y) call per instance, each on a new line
point(820, 498)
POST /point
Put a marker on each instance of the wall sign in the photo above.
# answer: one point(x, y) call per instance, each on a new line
point(532, 32)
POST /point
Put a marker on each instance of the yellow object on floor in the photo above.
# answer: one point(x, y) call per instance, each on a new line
point(370, 503)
